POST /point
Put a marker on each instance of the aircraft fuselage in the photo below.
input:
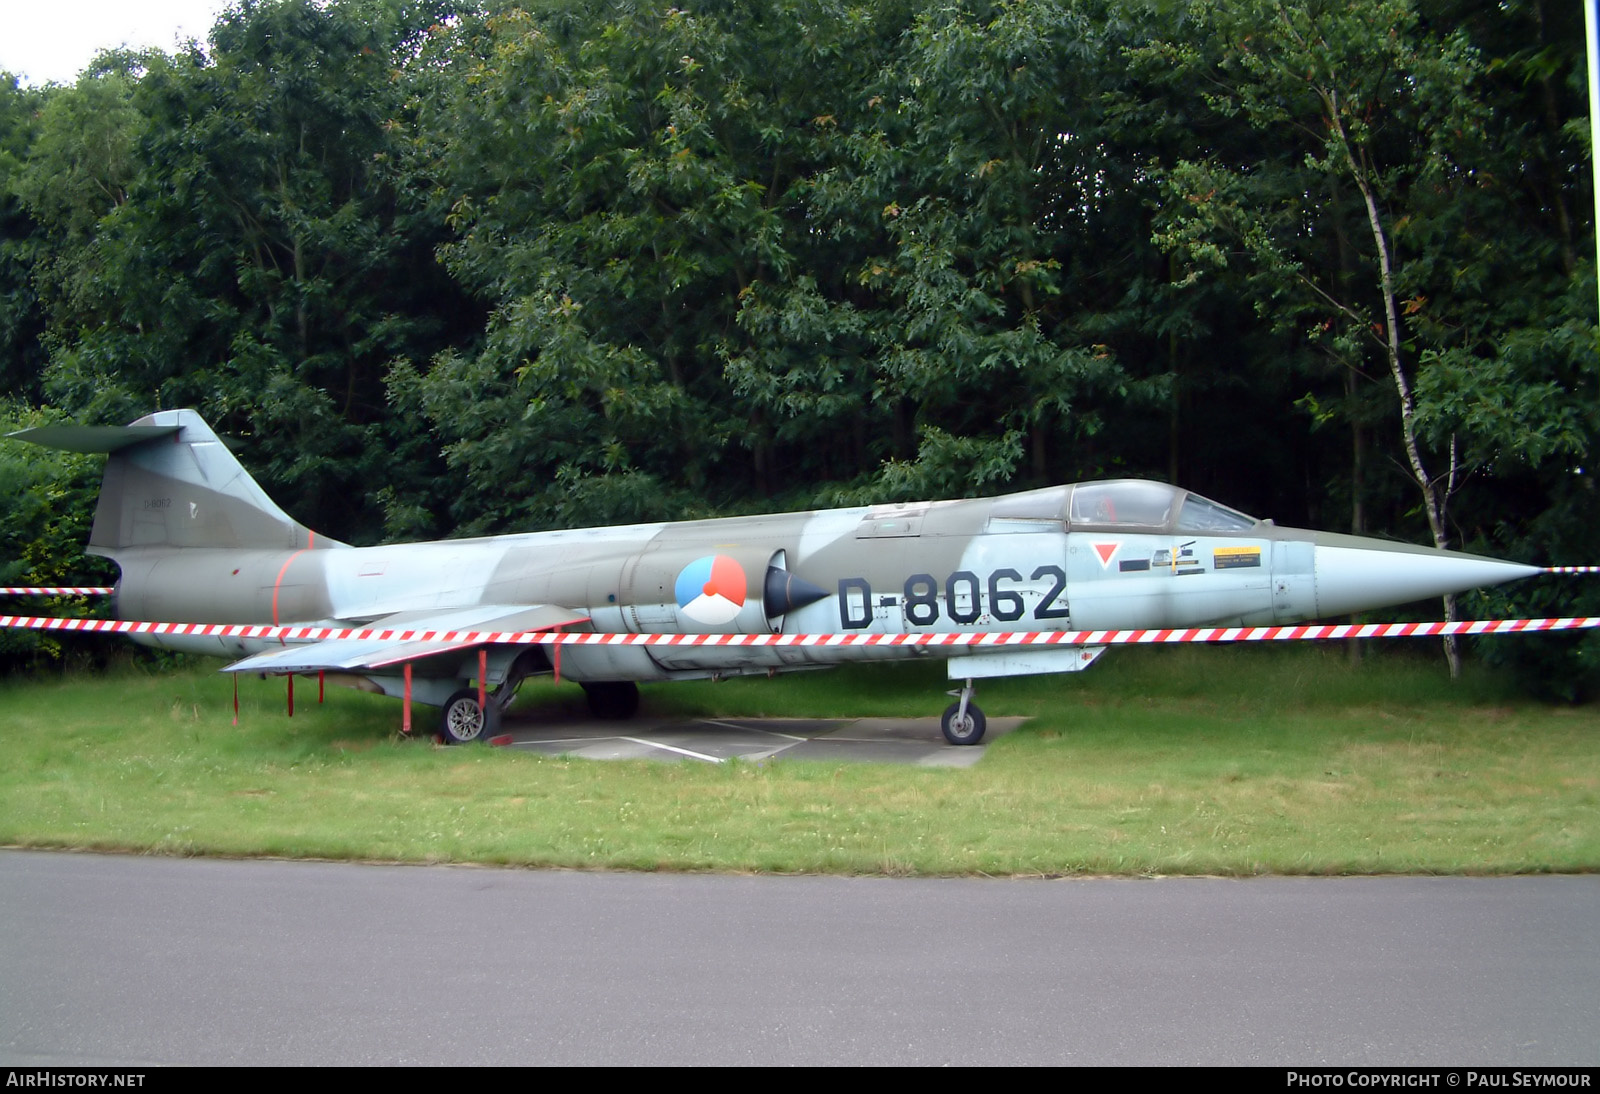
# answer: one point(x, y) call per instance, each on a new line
point(1025, 562)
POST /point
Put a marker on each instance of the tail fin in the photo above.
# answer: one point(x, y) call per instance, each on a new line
point(170, 482)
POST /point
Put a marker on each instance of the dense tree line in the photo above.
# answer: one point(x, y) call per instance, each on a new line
point(452, 268)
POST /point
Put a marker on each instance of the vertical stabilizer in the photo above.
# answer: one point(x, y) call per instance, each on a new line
point(170, 482)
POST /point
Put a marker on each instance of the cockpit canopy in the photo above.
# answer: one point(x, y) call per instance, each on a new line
point(1126, 505)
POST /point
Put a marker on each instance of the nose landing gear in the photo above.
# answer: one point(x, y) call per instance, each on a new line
point(963, 723)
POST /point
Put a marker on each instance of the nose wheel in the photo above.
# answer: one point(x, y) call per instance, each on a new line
point(963, 723)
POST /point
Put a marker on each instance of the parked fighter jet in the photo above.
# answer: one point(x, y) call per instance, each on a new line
point(197, 540)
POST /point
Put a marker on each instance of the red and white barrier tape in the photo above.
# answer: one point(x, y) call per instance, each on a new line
point(56, 590)
point(981, 639)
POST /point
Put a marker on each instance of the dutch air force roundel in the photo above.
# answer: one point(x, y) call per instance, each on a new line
point(710, 590)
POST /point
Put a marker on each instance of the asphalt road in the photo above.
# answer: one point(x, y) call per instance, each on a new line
point(134, 961)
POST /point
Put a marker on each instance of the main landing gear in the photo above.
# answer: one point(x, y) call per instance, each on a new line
point(963, 723)
point(464, 720)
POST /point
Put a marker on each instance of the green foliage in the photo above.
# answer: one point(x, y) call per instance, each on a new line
point(791, 205)
point(228, 237)
point(22, 318)
point(1374, 130)
point(958, 208)
point(45, 517)
point(1383, 223)
point(945, 467)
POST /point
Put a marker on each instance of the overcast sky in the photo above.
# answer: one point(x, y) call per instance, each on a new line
point(51, 41)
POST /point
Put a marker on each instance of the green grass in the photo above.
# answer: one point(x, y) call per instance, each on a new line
point(1206, 760)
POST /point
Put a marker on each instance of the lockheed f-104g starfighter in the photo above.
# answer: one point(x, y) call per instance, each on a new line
point(197, 540)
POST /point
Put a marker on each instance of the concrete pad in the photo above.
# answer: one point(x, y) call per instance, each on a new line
point(916, 741)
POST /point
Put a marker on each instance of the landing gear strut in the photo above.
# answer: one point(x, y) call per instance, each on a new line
point(963, 723)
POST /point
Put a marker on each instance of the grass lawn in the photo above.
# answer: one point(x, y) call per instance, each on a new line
point(1206, 760)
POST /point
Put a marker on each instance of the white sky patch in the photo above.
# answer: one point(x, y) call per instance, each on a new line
point(52, 41)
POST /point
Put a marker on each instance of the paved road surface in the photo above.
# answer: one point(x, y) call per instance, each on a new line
point(128, 960)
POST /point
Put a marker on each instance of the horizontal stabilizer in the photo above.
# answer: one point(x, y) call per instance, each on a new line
point(369, 654)
point(92, 438)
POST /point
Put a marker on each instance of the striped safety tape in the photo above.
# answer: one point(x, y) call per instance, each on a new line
point(56, 590)
point(979, 639)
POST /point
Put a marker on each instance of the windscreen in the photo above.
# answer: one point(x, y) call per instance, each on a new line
point(1129, 504)
point(1204, 515)
point(1152, 507)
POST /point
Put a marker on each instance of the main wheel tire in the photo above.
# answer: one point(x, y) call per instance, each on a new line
point(612, 700)
point(963, 731)
point(462, 720)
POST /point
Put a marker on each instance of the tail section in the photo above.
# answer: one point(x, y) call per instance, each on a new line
point(170, 482)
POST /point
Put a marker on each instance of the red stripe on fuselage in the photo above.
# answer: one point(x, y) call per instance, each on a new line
point(278, 584)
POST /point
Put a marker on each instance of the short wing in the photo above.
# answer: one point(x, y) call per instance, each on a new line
point(358, 654)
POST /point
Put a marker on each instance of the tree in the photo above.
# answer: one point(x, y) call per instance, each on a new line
point(22, 316)
point(250, 255)
point(962, 202)
point(1368, 105)
point(623, 179)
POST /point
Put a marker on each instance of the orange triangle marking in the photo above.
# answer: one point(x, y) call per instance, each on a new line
point(1105, 551)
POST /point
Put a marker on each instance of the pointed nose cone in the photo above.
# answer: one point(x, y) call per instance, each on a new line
point(1355, 574)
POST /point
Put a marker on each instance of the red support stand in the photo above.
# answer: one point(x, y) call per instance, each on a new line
point(483, 670)
point(235, 698)
point(319, 685)
point(405, 705)
point(555, 661)
point(291, 695)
